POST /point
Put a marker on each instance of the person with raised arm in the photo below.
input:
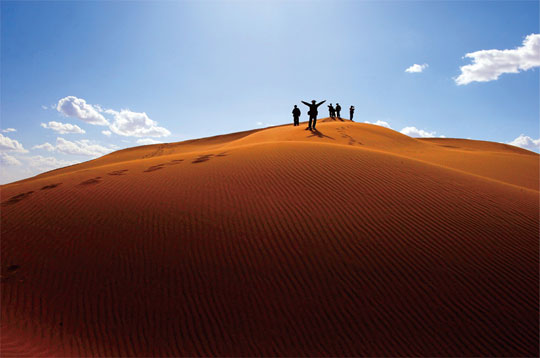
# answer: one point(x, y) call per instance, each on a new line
point(313, 113)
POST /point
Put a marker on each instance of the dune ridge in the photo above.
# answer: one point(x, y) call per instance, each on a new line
point(353, 241)
point(470, 156)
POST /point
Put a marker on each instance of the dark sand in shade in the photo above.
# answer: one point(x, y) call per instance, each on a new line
point(352, 241)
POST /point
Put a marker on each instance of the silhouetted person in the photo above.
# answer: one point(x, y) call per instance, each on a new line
point(351, 111)
point(331, 111)
point(313, 113)
point(296, 115)
point(338, 110)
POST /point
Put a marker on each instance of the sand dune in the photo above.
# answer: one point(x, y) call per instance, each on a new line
point(352, 241)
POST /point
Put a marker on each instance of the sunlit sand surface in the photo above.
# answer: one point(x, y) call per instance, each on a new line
point(352, 241)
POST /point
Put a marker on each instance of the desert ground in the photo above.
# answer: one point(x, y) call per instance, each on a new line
point(354, 240)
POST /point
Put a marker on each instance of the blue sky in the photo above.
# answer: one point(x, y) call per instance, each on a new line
point(173, 70)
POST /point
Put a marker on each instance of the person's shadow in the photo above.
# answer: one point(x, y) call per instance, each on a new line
point(316, 133)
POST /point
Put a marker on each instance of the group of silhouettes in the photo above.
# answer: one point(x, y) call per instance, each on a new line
point(335, 112)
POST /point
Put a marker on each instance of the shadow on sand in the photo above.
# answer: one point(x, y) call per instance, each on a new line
point(316, 133)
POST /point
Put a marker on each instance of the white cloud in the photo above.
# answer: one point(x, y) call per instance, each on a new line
point(7, 130)
point(45, 146)
point(488, 65)
point(417, 68)
point(136, 124)
point(27, 166)
point(79, 147)
point(44, 107)
point(410, 131)
point(8, 160)
point(415, 132)
point(380, 123)
point(72, 106)
point(48, 163)
point(147, 141)
point(125, 122)
point(526, 142)
point(63, 128)
point(11, 145)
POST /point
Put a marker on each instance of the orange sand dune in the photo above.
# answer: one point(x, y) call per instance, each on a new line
point(352, 241)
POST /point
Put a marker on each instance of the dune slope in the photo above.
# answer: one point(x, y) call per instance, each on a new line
point(352, 241)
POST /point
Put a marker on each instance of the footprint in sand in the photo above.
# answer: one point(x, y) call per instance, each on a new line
point(154, 168)
point(91, 181)
point(206, 157)
point(12, 268)
point(118, 172)
point(202, 158)
point(160, 166)
point(10, 272)
point(50, 186)
point(352, 141)
point(15, 199)
point(175, 161)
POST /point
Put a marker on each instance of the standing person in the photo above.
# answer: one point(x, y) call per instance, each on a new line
point(313, 113)
point(351, 111)
point(296, 115)
point(338, 110)
point(331, 110)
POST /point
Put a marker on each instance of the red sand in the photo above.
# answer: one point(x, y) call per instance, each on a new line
point(356, 241)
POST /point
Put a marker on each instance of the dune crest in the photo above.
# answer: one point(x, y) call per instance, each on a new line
point(491, 160)
point(354, 240)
